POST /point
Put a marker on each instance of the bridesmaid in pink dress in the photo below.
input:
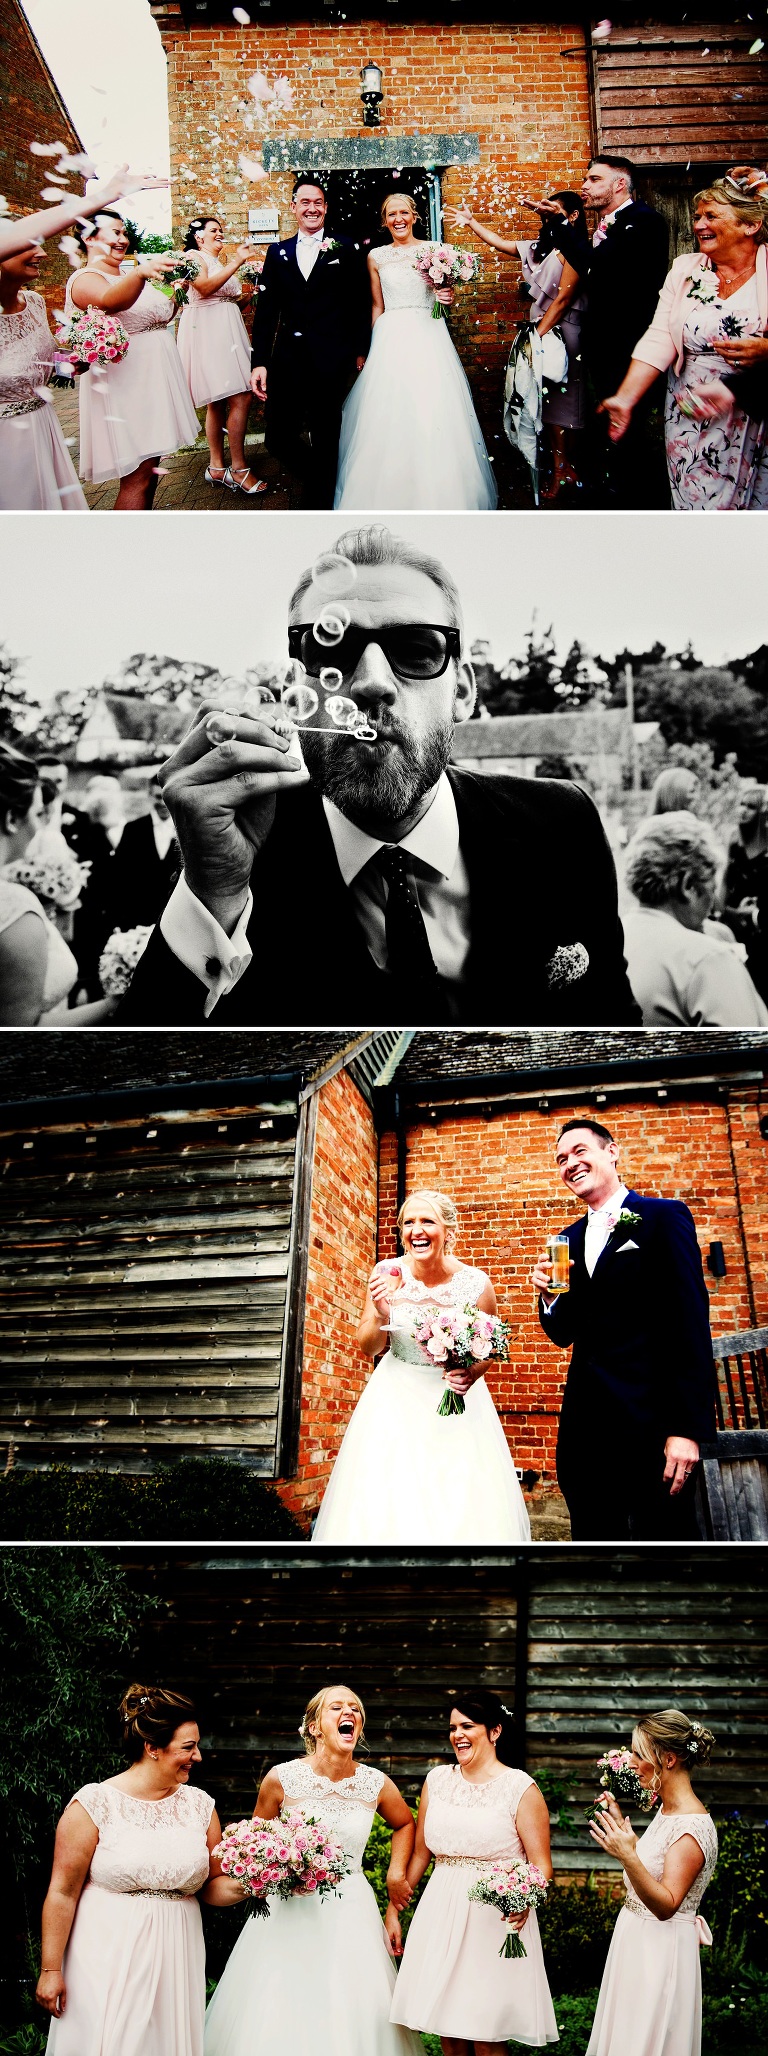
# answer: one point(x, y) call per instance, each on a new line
point(216, 354)
point(452, 1981)
point(650, 1997)
point(135, 412)
point(36, 470)
point(123, 1956)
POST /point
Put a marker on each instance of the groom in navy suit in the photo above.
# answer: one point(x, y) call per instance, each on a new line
point(311, 333)
point(640, 1392)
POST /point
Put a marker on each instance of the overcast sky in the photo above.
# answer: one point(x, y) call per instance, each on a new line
point(109, 65)
point(82, 594)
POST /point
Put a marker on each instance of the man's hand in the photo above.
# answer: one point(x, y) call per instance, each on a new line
point(259, 381)
point(359, 363)
point(682, 1457)
point(221, 795)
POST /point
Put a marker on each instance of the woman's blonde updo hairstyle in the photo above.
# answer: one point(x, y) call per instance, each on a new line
point(314, 1710)
point(751, 209)
point(407, 200)
point(671, 1731)
point(444, 1207)
point(151, 1715)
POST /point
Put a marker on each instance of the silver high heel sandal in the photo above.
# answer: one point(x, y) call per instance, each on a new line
point(226, 479)
point(249, 490)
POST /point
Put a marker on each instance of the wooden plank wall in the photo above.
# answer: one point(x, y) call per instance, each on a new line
point(609, 1634)
point(143, 1271)
point(688, 94)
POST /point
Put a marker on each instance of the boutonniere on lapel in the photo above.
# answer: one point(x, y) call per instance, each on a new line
point(567, 966)
point(626, 1219)
point(329, 243)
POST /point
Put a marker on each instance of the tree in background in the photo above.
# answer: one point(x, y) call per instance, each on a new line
point(18, 706)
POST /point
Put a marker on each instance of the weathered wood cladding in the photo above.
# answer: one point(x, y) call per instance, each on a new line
point(143, 1274)
point(577, 1643)
point(683, 94)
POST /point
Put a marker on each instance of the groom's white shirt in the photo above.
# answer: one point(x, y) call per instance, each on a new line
point(600, 1220)
point(308, 250)
point(219, 960)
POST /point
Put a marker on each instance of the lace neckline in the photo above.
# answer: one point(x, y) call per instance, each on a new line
point(14, 313)
point(479, 1784)
point(112, 1786)
point(321, 1777)
point(683, 1815)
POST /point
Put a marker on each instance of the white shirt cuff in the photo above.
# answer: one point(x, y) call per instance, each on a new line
point(547, 1304)
point(202, 945)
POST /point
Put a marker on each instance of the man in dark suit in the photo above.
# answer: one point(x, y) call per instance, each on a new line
point(626, 268)
point(145, 866)
point(359, 879)
point(640, 1392)
point(311, 333)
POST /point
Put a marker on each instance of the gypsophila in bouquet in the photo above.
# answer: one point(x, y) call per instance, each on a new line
point(176, 281)
point(94, 339)
point(119, 958)
point(443, 264)
point(56, 880)
point(618, 1776)
point(252, 271)
point(516, 1887)
point(293, 1855)
point(459, 1338)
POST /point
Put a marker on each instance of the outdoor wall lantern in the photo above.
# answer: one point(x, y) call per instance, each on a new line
point(716, 1260)
point(371, 95)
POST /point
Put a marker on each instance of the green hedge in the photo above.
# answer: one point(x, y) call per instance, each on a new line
point(204, 1497)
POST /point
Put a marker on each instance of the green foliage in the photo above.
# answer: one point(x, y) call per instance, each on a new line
point(576, 1924)
point(574, 2014)
point(29, 2040)
point(736, 1903)
point(555, 1790)
point(203, 1496)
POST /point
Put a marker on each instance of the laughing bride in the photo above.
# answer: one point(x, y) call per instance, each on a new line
point(407, 1473)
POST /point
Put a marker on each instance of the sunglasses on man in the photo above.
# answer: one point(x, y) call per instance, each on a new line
point(413, 649)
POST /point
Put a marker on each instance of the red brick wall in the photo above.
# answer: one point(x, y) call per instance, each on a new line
point(522, 87)
point(501, 1174)
point(342, 1254)
point(33, 112)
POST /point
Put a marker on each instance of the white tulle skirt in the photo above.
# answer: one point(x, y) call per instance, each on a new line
point(135, 1977)
point(138, 408)
point(214, 350)
point(406, 1473)
point(314, 1979)
point(452, 1980)
point(36, 470)
point(410, 436)
point(650, 1997)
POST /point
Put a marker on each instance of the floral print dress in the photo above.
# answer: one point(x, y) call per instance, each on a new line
point(714, 464)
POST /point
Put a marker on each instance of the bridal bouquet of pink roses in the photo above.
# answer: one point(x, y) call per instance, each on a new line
point(459, 1338)
point(288, 1856)
point(443, 264)
point(619, 1777)
point(94, 339)
point(516, 1887)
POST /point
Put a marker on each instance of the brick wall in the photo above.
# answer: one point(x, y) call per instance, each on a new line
point(522, 87)
point(342, 1253)
point(33, 112)
point(501, 1174)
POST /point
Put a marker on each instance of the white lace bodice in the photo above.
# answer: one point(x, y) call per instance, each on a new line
point(230, 290)
point(474, 1822)
point(152, 310)
point(346, 1809)
point(653, 1847)
point(463, 1288)
point(27, 353)
point(401, 284)
point(148, 1845)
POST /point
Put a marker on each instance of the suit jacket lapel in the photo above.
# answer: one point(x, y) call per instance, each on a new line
point(618, 1236)
point(494, 849)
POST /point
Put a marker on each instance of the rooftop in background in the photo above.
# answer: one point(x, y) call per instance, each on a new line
point(447, 1060)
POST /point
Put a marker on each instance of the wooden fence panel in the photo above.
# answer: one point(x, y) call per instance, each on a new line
point(682, 94)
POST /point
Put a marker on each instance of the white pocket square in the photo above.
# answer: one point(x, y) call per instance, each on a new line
point(626, 1245)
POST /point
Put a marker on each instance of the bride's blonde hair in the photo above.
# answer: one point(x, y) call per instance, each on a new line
point(313, 1711)
point(405, 200)
point(444, 1207)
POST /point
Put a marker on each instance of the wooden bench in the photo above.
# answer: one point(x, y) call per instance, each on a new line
point(732, 1482)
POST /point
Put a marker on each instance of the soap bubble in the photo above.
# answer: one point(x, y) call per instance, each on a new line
point(301, 701)
point(364, 731)
point(219, 728)
point(331, 679)
point(258, 696)
point(343, 712)
point(330, 625)
point(332, 577)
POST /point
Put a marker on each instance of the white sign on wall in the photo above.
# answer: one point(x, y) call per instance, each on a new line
point(264, 224)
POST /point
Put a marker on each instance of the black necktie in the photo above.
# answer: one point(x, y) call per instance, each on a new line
point(408, 953)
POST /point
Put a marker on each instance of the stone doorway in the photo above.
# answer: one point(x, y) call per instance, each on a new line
point(355, 198)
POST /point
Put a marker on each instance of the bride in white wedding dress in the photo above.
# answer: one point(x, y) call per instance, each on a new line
point(316, 1978)
point(410, 436)
point(406, 1473)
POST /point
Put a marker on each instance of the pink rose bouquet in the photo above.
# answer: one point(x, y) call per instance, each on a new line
point(288, 1856)
point(619, 1777)
point(517, 1887)
point(443, 264)
point(459, 1338)
point(94, 339)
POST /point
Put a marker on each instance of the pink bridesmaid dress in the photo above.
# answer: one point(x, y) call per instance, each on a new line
point(213, 340)
point(650, 1997)
point(140, 407)
point(36, 470)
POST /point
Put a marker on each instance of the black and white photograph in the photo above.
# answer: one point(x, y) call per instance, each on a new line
point(383, 1028)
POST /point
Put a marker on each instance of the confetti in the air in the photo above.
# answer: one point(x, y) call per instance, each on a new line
point(241, 16)
point(251, 168)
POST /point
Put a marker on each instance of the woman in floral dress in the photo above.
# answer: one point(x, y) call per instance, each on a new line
point(711, 320)
point(650, 1997)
